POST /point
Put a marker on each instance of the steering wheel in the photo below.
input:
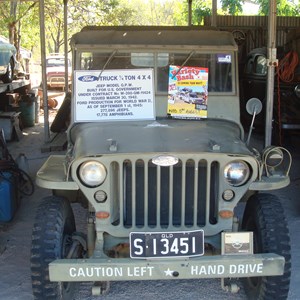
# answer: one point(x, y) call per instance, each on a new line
point(239, 36)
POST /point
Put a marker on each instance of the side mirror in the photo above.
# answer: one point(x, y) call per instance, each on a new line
point(253, 107)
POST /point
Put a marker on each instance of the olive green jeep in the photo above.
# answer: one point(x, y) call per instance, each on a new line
point(158, 158)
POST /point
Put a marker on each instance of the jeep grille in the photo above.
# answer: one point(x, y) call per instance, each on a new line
point(180, 196)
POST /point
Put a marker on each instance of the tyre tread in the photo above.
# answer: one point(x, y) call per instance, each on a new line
point(275, 234)
point(46, 234)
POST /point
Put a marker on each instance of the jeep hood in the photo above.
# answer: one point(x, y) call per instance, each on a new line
point(162, 136)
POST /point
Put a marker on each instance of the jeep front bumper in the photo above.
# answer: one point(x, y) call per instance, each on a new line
point(118, 269)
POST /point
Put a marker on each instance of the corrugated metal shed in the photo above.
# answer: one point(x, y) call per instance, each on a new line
point(255, 28)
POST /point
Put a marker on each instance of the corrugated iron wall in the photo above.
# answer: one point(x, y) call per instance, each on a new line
point(255, 29)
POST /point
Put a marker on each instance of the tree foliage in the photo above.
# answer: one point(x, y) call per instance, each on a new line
point(18, 22)
point(284, 7)
point(232, 7)
point(105, 12)
point(20, 19)
point(200, 9)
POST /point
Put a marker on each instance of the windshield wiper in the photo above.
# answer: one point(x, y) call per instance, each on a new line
point(184, 63)
point(107, 62)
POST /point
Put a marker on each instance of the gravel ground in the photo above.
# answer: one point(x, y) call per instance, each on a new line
point(15, 243)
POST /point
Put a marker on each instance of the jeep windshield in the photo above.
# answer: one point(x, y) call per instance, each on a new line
point(218, 64)
point(185, 69)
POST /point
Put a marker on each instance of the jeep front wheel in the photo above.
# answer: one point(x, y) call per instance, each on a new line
point(264, 216)
point(51, 239)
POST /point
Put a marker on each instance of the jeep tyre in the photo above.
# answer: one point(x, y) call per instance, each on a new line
point(51, 239)
point(62, 118)
point(265, 217)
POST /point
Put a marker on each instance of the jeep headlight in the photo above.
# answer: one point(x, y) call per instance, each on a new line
point(237, 173)
point(92, 173)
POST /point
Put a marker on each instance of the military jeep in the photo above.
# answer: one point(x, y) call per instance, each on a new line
point(171, 190)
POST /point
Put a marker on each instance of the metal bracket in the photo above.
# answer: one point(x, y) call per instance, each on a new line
point(214, 145)
point(230, 287)
point(113, 147)
point(272, 61)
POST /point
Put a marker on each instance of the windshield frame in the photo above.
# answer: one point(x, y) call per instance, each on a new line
point(184, 52)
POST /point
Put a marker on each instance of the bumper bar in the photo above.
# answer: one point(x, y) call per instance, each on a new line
point(120, 269)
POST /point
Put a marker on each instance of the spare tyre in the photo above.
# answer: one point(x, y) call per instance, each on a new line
point(62, 118)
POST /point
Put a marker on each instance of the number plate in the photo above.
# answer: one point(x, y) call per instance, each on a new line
point(166, 244)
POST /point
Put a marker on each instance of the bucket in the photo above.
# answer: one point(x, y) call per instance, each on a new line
point(8, 196)
point(27, 109)
point(37, 109)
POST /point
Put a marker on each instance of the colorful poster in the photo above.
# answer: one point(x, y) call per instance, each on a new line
point(187, 96)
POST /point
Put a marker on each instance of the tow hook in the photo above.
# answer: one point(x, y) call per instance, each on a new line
point(229, 287)
point(100, 288)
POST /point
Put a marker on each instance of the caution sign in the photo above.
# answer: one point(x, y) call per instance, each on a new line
point(114, 95)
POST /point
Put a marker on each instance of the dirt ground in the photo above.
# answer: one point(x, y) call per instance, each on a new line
point(15, 240)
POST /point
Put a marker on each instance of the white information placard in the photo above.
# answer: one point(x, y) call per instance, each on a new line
point(115, 95)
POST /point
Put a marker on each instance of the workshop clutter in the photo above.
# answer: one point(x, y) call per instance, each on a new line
point(14, 181)
point(22, 111)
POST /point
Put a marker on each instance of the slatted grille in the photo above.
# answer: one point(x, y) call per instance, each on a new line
point(180, 196)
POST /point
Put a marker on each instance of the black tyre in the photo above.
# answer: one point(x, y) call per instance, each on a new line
point(9, 75)
point(51, 239)
point(62, 118)
point(265, 217)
